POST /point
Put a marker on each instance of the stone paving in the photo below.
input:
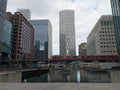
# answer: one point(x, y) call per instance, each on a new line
point(60, 86)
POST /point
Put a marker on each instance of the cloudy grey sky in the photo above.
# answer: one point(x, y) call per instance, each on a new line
point(87, 13)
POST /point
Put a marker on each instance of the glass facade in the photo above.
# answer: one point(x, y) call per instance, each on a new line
point(115, 5)
point(5, 31)
point(5, 35)
point(3, 8)
point(43, 35)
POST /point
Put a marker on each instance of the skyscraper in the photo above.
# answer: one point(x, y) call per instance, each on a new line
point(43, 34)
point(101, 40)
point(3, 5)
point(22, 38)
point(26, 13)
point(115, 5)
point(5, 32)
point(67, 33)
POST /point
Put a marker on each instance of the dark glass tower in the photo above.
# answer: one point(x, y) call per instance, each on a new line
point(3, 4)
point(5, 32)
point(115, 5)
point(43, 35)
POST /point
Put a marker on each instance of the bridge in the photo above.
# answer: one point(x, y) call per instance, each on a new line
point(101, 58)
point(65, 59)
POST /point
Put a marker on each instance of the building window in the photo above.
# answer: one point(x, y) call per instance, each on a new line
point(104, 23)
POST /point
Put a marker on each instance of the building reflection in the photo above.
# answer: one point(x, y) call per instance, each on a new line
point(64, 76)
point(95, 76)
point(78, 76)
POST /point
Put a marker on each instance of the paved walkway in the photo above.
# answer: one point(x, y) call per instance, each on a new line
point(56, 86)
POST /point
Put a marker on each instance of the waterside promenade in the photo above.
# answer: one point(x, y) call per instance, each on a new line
point(58, 86)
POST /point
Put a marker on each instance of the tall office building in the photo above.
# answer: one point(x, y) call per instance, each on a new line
point(22, 38)
point(101, 40)
point(3, 5)
point(5, 32)
point(37, 50)
point(115, 5)
point(26, 13)
point(82, 49)
point(43, 35)
point(67, 33)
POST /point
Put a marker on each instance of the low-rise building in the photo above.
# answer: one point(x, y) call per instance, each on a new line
point(82, 49)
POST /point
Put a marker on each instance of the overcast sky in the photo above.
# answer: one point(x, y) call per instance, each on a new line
point(87, 13)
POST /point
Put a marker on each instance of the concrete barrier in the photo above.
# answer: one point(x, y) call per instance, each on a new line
point(106, 65)
point(115, 76)
point(10, 77)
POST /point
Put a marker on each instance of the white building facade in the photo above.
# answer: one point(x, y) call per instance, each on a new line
point(101, 40)
point(67, 33)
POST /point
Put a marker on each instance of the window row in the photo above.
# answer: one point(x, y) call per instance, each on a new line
point(108, 28)
point(108, 46)
point(106, 31)
point(107, 39)
point(106, 23)
point(107, 35)
point(107, 43)
point(108, 51)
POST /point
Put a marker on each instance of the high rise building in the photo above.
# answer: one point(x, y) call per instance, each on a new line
point(22, 38)
point(26, 13)
point(5, 32)
point(3, 5)
point(82, 49)
point(43, 34)
point(37, 50)
point(101, 40)
point(67, 33)
point(115, 5)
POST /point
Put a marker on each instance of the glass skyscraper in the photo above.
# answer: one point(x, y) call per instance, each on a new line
point(3, 4)
point(43, 39)
point(115, 5)
point(67, 33)
point(5, 32)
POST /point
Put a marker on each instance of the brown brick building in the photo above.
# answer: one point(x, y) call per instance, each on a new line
point(22, 39)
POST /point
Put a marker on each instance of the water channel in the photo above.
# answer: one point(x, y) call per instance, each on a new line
point(73, 76)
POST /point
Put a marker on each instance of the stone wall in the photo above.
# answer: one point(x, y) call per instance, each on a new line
point(10, 77)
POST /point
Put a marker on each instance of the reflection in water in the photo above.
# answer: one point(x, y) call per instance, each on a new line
point(78, 76)
point(95, 77)
point(73, 76)
point(68, 78)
